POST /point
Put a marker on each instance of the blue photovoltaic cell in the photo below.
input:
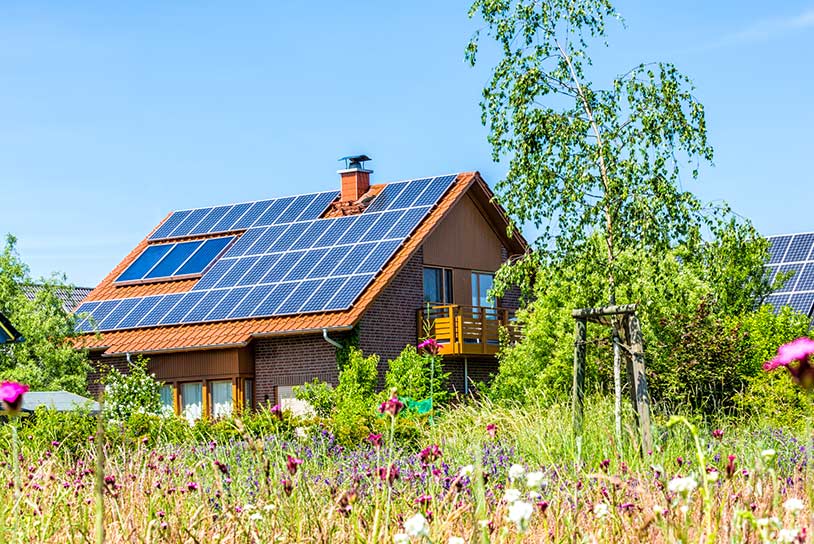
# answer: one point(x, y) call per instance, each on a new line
point(251, 301)
point(225, 224)
point(293, 212)
point(231, 278)
point(270, 216)
point(204, 256)
point(102, 311)
point(802, 303)
point(771, 272)
point(288, 238)
point(409, 194)
point(173, 260)
point(204, 306)
point(438, 187)
point(363, 223)
point(214, 274)
point(279, 270)
point(85, 324)
point(148, 259)
point(318, 205)
point(189, 223)
point(376, 259)
point(160, 309)
point(305, 265)
point(353, 259)
point(349, 292)
point(323, 295)
point(777, 301)
point(248, 219)
point(246, 241)
point(260, 269)
point(789, 285)
point(225, 307)
point(118, 314)
point(145, 305)
point(806, 280)
point(329, 262)
point(297, 298)
point(777, 247)
point(336, 228)
point(182, 308)
point(170, 224)
point(274, 299)
point(310, 236)
point(262, 245)
point(799, 249)
point(206, 224)
point(408, 222)
point(386, 197)
point(382, 225)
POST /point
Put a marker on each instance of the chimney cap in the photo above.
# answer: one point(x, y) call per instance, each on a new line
point(353, 162)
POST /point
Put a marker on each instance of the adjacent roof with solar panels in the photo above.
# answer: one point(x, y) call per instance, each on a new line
point(793, 253)
point(216, 276)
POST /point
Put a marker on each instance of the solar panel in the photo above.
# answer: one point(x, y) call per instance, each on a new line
point(300, 270)
point(328, 262)
point(349, 292)
point(323, 294)
point(289, 237)
point(211, 278)
point(225, 306)
point(792, 253)
point(802, 302)
point(206, 224)
point(260, 269)
point(295, 209)
point(407, 223)
point(273, 212)
point(245, 242)
point(386, 197)
point(281, 268)
point(251, 301)
point(300, 293)
point(380, 255)
point(353, 259)
point(799, 248)
point(235, 213)
point(265, 241)
point(311, 235)
point(118, 314)
point(160, 310)
point(249, 218)
point(144, 305)
point(144, 262)
point(182, 308)
point(204, 256)
point(382, 226)
point(360, 227)
point(235, 273)
point(190, 222)
point(205, 305)
point(438, 186)
point(336, 229)
point(785, 269)
point(777, 248)
point(318, 205)
point(173, 260)
point(169, 225)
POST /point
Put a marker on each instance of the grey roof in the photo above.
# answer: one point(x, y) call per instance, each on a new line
point(61, 401)
point(70, 297)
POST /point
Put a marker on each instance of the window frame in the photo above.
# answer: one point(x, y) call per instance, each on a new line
point(447, 292)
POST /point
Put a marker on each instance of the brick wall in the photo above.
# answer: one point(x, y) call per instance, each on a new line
point(292, 360)
point(98, 363)
point(511, 298)
point(477, 370)
point(390, 322)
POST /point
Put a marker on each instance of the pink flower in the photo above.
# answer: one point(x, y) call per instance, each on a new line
point(718, 434)
point(491, 428)
point(430, 346)
point(391, 406)
point(292, 463)
point(277, 411)
point(430, 453)
point(11, 394)
point(375, 440)
point(797, 352)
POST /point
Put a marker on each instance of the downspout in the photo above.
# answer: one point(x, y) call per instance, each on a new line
point(127, 356)
point(331, 341)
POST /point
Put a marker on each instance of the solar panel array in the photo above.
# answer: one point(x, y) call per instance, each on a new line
point(795, 254)
point(281, 265)
point(173, 260)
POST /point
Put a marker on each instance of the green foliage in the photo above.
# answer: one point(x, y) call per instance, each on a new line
point(354, 415)
point(46, 360)
point(320, 395)
point(136, 392)
point(412, 373)
point(349, 343)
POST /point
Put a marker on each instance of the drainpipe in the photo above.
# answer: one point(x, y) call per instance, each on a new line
point(331, 341)
point(127, 356)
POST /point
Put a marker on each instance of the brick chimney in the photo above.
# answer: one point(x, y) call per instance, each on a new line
point(355, 178)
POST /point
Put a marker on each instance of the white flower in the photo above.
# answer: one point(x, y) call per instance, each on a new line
point(269, 507)
point(534, 480)
point(516, 472)
point(401, 538)
point(520, 513)
point(787, 536)
point(793, 505)
point(768, 455)
point(534, 496)
point(765, 522)
point(601, 510)
point(455, 540)
point(417, 526)
point(257, 516)
point(248, 507)
point(682, 485)
point(467, 470)
point(659, 510)
point(511, 495)
point(712, 476)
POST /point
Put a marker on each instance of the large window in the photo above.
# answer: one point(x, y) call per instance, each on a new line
point(192, 400)
point(221, 398)
point(167, 399)
point(438, 285)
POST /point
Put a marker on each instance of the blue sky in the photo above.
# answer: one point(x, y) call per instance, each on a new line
point(114, 113)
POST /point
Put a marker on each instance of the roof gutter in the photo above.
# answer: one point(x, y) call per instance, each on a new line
point(298, 332)
point(330, 340)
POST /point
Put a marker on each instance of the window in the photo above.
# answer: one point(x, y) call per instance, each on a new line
point(248, 394)
point(481, 284)
point(438, 285)
point(167, 400)
point(221, 398)
point(192, 401)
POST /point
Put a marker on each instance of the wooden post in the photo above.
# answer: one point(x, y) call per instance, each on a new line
point(580, 335)
point(639, 384)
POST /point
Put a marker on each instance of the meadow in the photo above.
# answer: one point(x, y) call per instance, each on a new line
point(476, 473)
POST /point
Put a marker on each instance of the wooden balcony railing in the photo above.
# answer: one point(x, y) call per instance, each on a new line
point(467, 330)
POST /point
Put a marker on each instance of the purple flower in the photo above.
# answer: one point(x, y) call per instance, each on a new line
point(430, 453)
point(430, 346)
point(375, 440)
point(798, 352)
point(718, 434)
point(288, 486)
point(391, 406)
point(11, 394)
point(292, 463)
point(277, 411)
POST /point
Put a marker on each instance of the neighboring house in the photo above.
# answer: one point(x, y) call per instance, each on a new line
point(71, 297)
point(236, 304)
point(793, 253)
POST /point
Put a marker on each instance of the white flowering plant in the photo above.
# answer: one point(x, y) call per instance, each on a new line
point(134, 392)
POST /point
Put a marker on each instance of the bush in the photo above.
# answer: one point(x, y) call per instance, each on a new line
point(320, 395)
point(131, 393)
point(354, 415)
point(413, 375)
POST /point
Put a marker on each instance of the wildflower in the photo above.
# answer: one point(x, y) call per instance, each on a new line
point(11, 395)
point(718, 434)
point(542, 505)
point(491, 429)
point(520, 514)
point(679, 460)
point(793, 505)
point(401, 538)
point(375, 440)
point(712, 476)
point(768, 455)
point(788, 536)
point(389, 474)
point(604, 464)
point(601, 510)
point(417, 526)
point(467, 470)
point(192, 486)
point(684, 486)
point(424, 499)
point(730, 466)
point(511, 495)
point(277, 411)
point(257, 516)
point(221, 467)
point(659, 510)
point(534, 480)
point(288, 486)
point(516, 472)
point(797, 352)
point(430, 346)
point(391, 406)
point(455, 540)
point(430, 453)
point(292, 463)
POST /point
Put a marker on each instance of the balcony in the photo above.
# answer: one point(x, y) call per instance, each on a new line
point(467, 330)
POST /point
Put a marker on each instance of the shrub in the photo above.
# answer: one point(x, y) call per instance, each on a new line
point(134, 392)
point(320, 395)
point(413, 375)
point(354, 416)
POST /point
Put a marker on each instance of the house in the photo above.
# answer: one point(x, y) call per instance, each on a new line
point(793, 253)
point(70, 296)
point(61, 401)
point(236, 304)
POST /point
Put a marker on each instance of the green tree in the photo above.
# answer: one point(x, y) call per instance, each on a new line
point(47, 359)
